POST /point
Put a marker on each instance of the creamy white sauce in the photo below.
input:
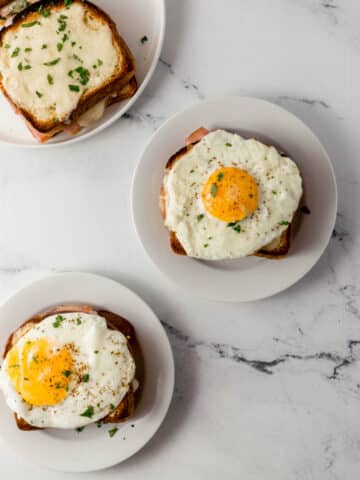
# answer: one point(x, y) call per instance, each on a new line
point(109, 362)
point(93, 114)
point(71, 43)
point(280, 190)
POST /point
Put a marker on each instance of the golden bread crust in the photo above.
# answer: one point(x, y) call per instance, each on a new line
point(127, 406)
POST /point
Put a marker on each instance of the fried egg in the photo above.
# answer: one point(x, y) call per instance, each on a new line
point(67, 371)
point(228, 196)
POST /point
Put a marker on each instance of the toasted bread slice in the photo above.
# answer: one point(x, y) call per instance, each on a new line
point(126, 407)
point(58, 61)
point(9, 8)
point(276, 250)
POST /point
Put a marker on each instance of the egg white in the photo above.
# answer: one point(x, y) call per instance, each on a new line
point(280, 190)
point(110, 366)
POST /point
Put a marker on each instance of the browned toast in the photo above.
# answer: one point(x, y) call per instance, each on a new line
point(126, 407)
point(67, 68)
point(277, 249)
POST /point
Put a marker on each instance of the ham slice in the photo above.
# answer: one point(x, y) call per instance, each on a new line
point(196, 136)
point(73, 128)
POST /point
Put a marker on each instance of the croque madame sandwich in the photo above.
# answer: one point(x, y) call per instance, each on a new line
point(62, 62)
point(226, 197)
point(71, 366)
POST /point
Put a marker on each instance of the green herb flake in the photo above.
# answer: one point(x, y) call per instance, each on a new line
point(67, 373)
point(78, 321)
point(27, 67)
point(74, 88)
point(35, 359)
point(28, 49)
point(20, 67)
point(7, 46)
point(227, 144)
point(214, 189)
point(96, 352)
point(73, 44)
point(50, 79)
point(45, 12)
point(274, 192)
point(67, 3)
point(284, 222)
point(112, 406)
point(89, 412)
point(113, 431)
point(43, 46)
point(220, 177)
point(84, 75)
point(58, 321)
point(206, 245)
point(144, 39)
point(237, 228)
point(52, 62)
point(200, 217)
point(30, 24)
point(16, 52)
point(100, 62)
point(65, 37)
point(59, 47)
point(85, 378)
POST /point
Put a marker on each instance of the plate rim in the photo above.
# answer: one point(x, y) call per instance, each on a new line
point(121, 112)
point(194, 107)
point(171, 370)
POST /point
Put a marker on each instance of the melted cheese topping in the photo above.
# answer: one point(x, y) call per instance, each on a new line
point(93, 114)
point(51, 61)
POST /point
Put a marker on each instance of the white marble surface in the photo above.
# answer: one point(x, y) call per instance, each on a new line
point(269, 390)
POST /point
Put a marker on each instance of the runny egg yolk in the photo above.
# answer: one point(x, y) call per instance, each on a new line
point(40, 372)
point(230, 194)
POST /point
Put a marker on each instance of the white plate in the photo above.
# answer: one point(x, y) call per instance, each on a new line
point(92, 449)
point(134, 19)
point(249, 278)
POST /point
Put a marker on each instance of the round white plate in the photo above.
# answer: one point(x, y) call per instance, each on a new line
point(134, 19)
point(92, 449)
point(249, 278)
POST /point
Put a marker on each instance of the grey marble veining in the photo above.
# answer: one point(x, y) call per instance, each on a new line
point(267, 390)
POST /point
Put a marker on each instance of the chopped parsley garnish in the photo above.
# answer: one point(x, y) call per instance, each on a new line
point(67, 373)
point(206, 245)
point(74, 88)
point(43, 46)
point(112, 406)
point(84, 75)
point(39, 94)
point(44, 12)
point(62, 23)
point(16, 52)
point(67, 3)
point(192, 171)
point(52, 62)
point(50, 79)
point(73, 44)
point(6, 45)
point(28, 49)
point(30, 24)
point(214, 189)
point(235, 226)
point(27, 67)
point(71, 73)
point(113, 431)
point(144, 39)
point(65, 37)
point(76, 57)
point(35, 359)
point(284, 222)
point(220, 177)
point(78, 321)
point(89, 412)
point(58, 321)
point(20, 67)
point(200, 217)
point(227, 144)
point(99, 62)
point(274, 192)
point(85, 378)
point(96, 352)
point(80, 429)
point(59, 47)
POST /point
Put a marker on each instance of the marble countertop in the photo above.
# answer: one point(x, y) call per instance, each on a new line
point(266, 390)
